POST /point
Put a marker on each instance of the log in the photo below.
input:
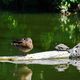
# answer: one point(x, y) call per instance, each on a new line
point(40, 55)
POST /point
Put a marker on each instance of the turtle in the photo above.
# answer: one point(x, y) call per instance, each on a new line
point(62, 47)
point(75, 51)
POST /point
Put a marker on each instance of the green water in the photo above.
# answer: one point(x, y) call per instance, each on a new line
point(46, 31)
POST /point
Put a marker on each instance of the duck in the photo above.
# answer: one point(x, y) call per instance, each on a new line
point(24, 44)
point(23, 73)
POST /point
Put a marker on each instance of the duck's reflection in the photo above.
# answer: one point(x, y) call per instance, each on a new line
point(23, 73)
point(59, 64)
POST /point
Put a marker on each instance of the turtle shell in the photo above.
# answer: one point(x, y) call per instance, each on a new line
point(77, 46)
point(62, 47)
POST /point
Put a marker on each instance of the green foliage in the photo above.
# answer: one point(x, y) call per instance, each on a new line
point(66, 4)
point(74, 1)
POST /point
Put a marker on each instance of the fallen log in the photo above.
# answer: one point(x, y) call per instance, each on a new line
point(40, 55)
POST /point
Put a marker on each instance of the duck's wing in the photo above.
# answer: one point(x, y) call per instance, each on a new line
point(61, 47)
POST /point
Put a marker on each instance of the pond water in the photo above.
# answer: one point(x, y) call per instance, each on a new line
point(46, 30)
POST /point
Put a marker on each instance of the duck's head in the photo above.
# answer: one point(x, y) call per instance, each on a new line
point(24, 44)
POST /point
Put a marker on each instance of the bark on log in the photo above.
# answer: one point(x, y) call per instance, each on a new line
point(40, 55)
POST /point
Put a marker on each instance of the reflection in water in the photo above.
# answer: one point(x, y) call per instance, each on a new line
point(46, 40)
point(70, 26)
point(41, 75)
point(59, 64)
point(24, 73)
point(76, 63)
point(12, 22)
point(9, 20)
point(62, 67)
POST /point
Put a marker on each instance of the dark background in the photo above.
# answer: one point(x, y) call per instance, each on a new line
point(34, 5)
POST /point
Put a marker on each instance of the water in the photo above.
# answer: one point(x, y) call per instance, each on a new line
point(47, 30)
